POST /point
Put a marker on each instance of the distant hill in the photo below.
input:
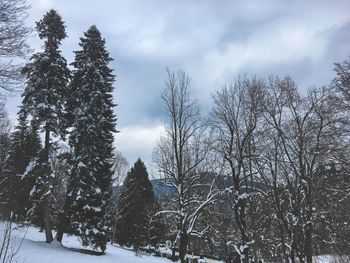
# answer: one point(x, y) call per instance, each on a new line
point(162, 191)
point(159, 188)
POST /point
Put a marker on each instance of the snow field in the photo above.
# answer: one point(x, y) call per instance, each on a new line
point(35, 250)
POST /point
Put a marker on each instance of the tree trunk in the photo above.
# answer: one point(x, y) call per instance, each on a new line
point(309, 227)
point(242, 225)
point(59, 235)
point(308, 245)
point(47, 142)
point(46, 211)
point(60, 226)
point(183, 247)
point(63, 221)
point(292, 253)
point(47, 226)
point(114, 230)
point(283, 245)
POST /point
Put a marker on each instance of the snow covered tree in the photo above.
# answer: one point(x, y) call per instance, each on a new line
point(337, 193)
point(302, 135)
point(4, 136)
point(181, 158)
point(234, 121)
point(44, 100)
point(61, 169)
point(5, 143)
point(156, 224)
point(25, 145)
point(135, 203)
point(91, 140)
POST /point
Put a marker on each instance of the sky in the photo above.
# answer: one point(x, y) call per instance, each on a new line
point(214, 41)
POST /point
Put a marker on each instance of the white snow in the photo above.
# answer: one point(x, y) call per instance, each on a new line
point(29, 168)
point(32, 191)
point(81, 165)
point(34, 250)
point(331, 259)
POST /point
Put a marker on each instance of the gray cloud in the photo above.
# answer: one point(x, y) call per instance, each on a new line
point(214, 41)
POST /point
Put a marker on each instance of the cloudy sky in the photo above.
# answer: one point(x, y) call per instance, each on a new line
point(213, 41)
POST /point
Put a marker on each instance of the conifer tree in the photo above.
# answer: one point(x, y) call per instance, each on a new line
point(156, 225)
point(44, 100)
point(4, 136)
point(91, 139)
point(18, 182)
point(136, 204)
point(4, 149)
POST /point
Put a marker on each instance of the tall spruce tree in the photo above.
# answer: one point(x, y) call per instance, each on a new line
point(44, 100)
point(136, 204)
point(91, 141)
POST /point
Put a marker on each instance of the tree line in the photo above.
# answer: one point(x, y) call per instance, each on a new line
point(270, 163)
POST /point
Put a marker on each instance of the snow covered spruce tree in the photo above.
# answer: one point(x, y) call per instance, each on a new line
point(5, 143)
point(135, 203)
point(43, 102)
point(181, 156)
point(17, 183)
point(5, 129)
point(91, 141)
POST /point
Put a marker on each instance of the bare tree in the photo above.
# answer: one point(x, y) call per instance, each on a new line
point(180, 156)
point(342, 81)
point(13, 46)
point(120, 166)
point(9, 247)
point(301, 136)
point(234, 120)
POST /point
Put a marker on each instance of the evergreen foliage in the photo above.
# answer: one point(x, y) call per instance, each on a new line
point(19, 179)
point(5, 143)
point(91, 140)
point(137, 224)
point(44, 100)
point(156, 225)
point(45, 95)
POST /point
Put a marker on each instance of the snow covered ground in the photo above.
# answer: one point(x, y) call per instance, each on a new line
point(331, 259)
point(35, 250)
